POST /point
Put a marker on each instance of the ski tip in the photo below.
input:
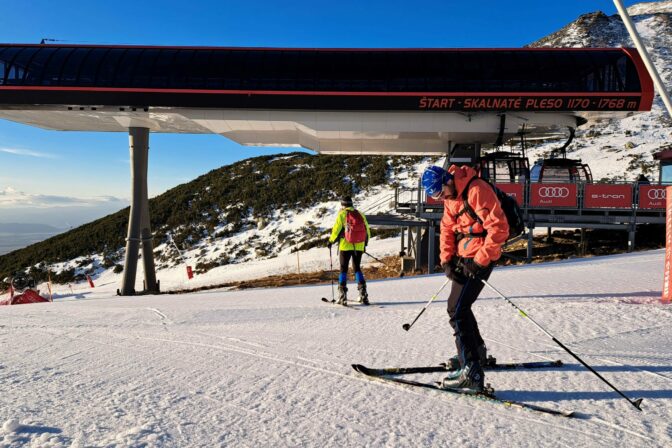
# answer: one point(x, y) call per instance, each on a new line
point(637, 403)
point(357, 367)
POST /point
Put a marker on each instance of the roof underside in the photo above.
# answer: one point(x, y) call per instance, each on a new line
point(351, 132)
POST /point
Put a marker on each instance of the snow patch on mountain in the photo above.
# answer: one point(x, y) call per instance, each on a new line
point(650, 8)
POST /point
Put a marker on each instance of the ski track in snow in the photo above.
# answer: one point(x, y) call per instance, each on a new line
point(271, 367)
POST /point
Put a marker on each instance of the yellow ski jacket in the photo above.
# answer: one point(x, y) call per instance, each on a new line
point(338, 231)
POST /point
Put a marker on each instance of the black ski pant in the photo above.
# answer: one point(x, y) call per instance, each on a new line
point(463, 294)
point(344, 259)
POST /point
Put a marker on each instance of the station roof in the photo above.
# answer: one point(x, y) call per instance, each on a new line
point(329, 100)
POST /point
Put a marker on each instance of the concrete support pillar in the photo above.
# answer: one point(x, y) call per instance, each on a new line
point(139, 230)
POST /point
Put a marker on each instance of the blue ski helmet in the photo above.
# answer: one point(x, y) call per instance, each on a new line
point(433, 180)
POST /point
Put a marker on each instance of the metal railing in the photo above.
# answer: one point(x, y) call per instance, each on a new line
point(384, 205)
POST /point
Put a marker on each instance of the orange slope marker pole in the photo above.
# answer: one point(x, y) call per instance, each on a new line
point(667, 274)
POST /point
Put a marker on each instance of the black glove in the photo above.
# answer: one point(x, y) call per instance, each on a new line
point(449, 269)
point(329, 244)
point(472, 269)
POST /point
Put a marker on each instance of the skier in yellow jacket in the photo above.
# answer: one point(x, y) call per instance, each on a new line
point(352, 228)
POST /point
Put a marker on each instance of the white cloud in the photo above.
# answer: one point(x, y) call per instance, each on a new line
point(10, 198)
point(27, 152)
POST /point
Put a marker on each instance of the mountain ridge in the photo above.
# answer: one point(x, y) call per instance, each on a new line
point(21, 228)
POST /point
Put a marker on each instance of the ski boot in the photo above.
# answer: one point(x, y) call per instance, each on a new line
point(363, 295)
point(470, 377)
point(342, 295)
point(483, 358)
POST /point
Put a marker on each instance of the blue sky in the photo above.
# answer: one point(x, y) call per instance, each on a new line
point(68, 178)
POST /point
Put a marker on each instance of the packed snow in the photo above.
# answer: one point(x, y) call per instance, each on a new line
point(271, 367)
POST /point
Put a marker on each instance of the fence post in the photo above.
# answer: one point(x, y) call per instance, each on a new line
point(430, 248)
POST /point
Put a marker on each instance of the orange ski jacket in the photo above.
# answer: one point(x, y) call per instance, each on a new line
point(483, 199)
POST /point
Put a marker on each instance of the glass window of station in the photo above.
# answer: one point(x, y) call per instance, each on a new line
point(320, 70)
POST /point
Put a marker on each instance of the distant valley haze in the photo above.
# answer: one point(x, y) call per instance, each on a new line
point(15, 235)
point(23, 228)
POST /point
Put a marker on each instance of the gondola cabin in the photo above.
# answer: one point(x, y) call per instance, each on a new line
point(560, 171)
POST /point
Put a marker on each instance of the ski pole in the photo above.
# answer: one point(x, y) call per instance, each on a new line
point(331, 268)
point(636, 403)
point(377, 259)
point(408, 326)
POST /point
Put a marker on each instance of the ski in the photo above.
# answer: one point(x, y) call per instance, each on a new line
point(443, 368)
point(485, 396)
point(333, 302)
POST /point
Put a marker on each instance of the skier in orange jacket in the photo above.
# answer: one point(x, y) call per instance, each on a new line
point(472, 236)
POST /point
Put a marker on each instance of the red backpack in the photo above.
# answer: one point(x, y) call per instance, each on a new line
point(355, 229)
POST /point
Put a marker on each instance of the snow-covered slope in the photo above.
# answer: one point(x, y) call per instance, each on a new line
point(272, 367)
point(621, 149)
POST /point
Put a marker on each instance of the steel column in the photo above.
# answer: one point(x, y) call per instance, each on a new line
point(631, 237)
point(530, 243)
point(138, 222)
point(418, 247)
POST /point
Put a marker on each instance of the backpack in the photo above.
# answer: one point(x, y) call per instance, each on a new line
point(514, 215)
point(355, 228)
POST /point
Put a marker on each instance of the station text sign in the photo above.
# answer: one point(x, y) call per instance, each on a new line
point(529, 103)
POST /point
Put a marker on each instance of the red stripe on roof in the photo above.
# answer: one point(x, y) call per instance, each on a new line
point(315, 93)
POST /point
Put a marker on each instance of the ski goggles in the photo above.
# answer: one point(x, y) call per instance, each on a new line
point(438, 195)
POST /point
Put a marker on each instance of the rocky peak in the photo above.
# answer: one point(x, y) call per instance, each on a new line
point(621, 149)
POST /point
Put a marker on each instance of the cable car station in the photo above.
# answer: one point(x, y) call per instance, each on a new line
point(444, 102)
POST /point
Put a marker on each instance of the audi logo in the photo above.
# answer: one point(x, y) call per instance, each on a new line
point(553, 192)
point(656, 193)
